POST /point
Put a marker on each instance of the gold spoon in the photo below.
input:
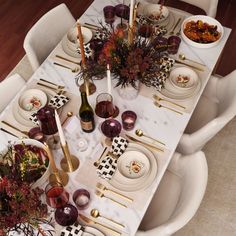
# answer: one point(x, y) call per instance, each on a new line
point(95, 213)
point(68, 115)
point(182, 57)
point(89, 221)
point(156, 97)
point(96, 163)
point(140, 133)
point(74, 70)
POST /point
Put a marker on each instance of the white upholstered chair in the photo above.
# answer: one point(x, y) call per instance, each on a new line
point(47, 33)
point(216, 107)
point(9, 87)
point(209, 6)
point(178, 196)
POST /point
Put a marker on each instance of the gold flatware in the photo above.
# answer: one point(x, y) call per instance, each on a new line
point(186, 64)
point(73, 70)
point(156, 97)
point(96, 163)
point(8, 132)
point(61, 91)
point(96, 214)
point(66, 59)
point(89, 221)
point(173, 30)
point(15, 128)
point(144, 143)
point(91, 25)
point(100, 194)
point(140, 133)
point(68, 115)
point(182, 57)
point(49, 82)
point(104, 188)
point(159, 105)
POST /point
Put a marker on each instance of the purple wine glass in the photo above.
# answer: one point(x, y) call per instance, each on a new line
point(66, 215)
point(109, 14)
point(122, 11)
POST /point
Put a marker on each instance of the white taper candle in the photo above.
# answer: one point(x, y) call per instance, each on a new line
point(60, 131)
point(131, 13)
point(108, 79)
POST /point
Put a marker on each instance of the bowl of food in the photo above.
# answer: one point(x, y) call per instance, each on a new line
point(156, 12)
point(26, 159)
point(72, 40)
point(201, 31)
point(183, 78)
point(30, 101)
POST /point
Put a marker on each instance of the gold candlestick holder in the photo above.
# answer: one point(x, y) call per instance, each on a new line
point(59, 176)
point(87, 87)
point(70, 162)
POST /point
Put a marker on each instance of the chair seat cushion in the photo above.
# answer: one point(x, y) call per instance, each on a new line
point(166, 199)
point(206, 111)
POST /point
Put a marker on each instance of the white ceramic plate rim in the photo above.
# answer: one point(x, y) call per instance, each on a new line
point(93, 231)
point(67, 50)
point(138, 185)
point(152, 7)
point(206, 19)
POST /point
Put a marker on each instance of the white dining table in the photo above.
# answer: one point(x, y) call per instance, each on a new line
point(159, 123)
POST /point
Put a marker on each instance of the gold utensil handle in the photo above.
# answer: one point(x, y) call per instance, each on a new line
point(145, 144)
point(121, 225)
point(46, 86)
point(8, 132)
point(15, 128)
point(120, 195)
point(172, 31)
point(186, 64)
point(178, 112)
point(66, 59)
point(166, 100)
point(49, 82)
point(114, 232)
point(155, 140)
point(95, 26)
point(195, 62)
point(112, 199)
point(67, 67)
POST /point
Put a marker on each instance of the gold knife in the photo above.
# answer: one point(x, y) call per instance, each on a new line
point(8, 132)
point(144, 143)
point(186, 64)
point(15, 128)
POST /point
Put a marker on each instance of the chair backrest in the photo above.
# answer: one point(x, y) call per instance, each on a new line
point(9, 87)
point(192, 172)
point(209, 6)
point(47, 33)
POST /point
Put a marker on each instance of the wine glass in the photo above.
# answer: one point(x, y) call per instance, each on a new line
point(48, 125)
point(110, 128)
point(56, 195)
point(109, 14)
point(104, 106)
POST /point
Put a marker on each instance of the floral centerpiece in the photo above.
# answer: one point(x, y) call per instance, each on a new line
point(21, 208)
point(145, 59)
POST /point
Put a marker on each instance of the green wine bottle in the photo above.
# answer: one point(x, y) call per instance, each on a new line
point(86, 115)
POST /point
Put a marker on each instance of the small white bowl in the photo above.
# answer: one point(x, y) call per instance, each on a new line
point(30, 101)
point(204, 19)
point(72, 40)
point(182, 72)
point(153, 11)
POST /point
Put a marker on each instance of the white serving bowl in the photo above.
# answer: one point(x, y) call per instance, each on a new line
point(25, 104)
point(153, 11)
point(72, 40)
point(204, 19)
point(184, 72)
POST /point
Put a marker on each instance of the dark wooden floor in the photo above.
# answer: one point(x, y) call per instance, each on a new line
point(17, 17)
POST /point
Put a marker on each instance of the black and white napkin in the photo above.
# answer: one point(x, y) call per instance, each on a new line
point(75, 229)
point(108, 165)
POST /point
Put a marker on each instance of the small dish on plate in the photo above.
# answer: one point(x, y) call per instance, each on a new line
point(133, 164)
point(183, 78)
point(72, 40)
point(156, 12)
point(201, 31)
point(31, 101)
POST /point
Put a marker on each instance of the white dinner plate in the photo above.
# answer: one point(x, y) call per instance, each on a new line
point(92, 231)
point(67, 49)
point(120, 182)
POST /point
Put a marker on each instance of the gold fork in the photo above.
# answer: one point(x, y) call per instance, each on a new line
point(59, 91)
point(49, 82)
point(104, 188)
point(156, 97)
point(66, 59)
point(15, 128)
point(159, 105)
point(100, 194)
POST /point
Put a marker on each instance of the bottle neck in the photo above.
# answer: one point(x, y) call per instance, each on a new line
point(84, 98)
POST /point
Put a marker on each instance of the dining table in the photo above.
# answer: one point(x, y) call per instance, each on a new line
point(156, 122)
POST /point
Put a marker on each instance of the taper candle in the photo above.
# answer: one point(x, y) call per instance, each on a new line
point(81, 43)
point(131, 13)
point(50, 157)
point(60, 131)
point(108, 79)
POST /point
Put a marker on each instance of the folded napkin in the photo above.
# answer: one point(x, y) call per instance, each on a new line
point(58, 101)
point(108, 165)
point(75, 229)
point(87, 50)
